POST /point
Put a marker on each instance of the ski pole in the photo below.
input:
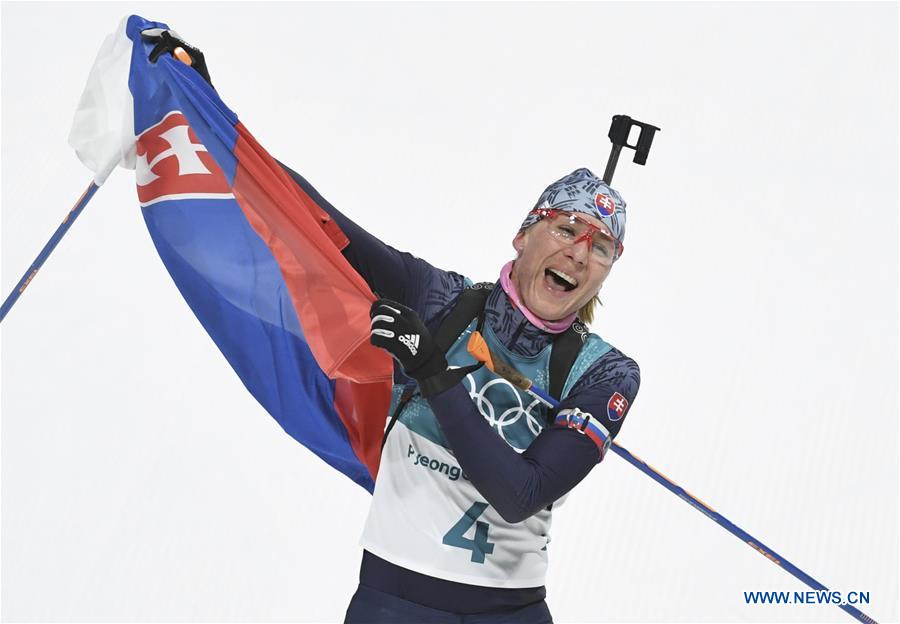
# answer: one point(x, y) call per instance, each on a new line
point(48, 248)
point(479, 349)
point(180, 54)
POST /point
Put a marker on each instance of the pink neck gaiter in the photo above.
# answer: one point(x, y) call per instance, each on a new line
point(554, 327)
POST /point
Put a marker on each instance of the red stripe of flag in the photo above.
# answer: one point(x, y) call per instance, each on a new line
point(332, 301)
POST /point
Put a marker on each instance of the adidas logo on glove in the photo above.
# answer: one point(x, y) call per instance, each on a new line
point(411, 341)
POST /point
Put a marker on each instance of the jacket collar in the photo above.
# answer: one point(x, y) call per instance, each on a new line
point(511, 327)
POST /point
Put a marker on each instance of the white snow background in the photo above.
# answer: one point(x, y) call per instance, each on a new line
point(758, 292)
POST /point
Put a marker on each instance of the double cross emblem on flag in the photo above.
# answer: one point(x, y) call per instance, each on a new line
point(172, 163)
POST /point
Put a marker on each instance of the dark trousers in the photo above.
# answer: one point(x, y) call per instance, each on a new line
point(370, 606)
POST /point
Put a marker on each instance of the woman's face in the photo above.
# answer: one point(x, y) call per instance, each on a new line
point(555, 279)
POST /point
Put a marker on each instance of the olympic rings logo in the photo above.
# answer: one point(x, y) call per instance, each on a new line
point(509, 417)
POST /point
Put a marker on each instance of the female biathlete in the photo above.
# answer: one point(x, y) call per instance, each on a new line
point(471, 467)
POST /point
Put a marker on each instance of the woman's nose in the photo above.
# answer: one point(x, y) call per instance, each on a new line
point(580, 250)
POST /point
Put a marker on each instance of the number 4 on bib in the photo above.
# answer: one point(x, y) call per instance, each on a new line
point(480, 546)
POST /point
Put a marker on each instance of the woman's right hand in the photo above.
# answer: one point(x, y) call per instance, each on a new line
point(169, 41)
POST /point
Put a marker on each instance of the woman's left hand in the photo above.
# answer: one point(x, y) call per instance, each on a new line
point(399, 331)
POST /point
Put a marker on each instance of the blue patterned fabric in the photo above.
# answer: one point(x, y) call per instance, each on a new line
point(582, 191)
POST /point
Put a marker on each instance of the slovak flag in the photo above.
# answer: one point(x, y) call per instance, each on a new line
point(605, 204)
point(257, 261)
point(616, 406)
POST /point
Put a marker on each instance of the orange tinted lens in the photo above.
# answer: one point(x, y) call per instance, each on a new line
point(570, 227)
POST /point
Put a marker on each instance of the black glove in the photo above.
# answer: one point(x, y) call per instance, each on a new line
point(167, 41)
point(399, 330)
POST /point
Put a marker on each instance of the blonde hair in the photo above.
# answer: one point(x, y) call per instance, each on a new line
point(587, 311)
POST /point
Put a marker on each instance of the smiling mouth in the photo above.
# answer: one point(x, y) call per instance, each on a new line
point(560, 281)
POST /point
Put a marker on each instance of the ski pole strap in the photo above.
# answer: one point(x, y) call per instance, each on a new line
point(444, 381)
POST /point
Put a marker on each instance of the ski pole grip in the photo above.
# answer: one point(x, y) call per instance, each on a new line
point(479, 349)
point(182, 55)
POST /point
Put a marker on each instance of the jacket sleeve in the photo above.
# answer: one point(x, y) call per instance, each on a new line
point(518, 486)
point(389, 273)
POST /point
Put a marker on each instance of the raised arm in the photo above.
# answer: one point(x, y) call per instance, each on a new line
point(389, 273)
